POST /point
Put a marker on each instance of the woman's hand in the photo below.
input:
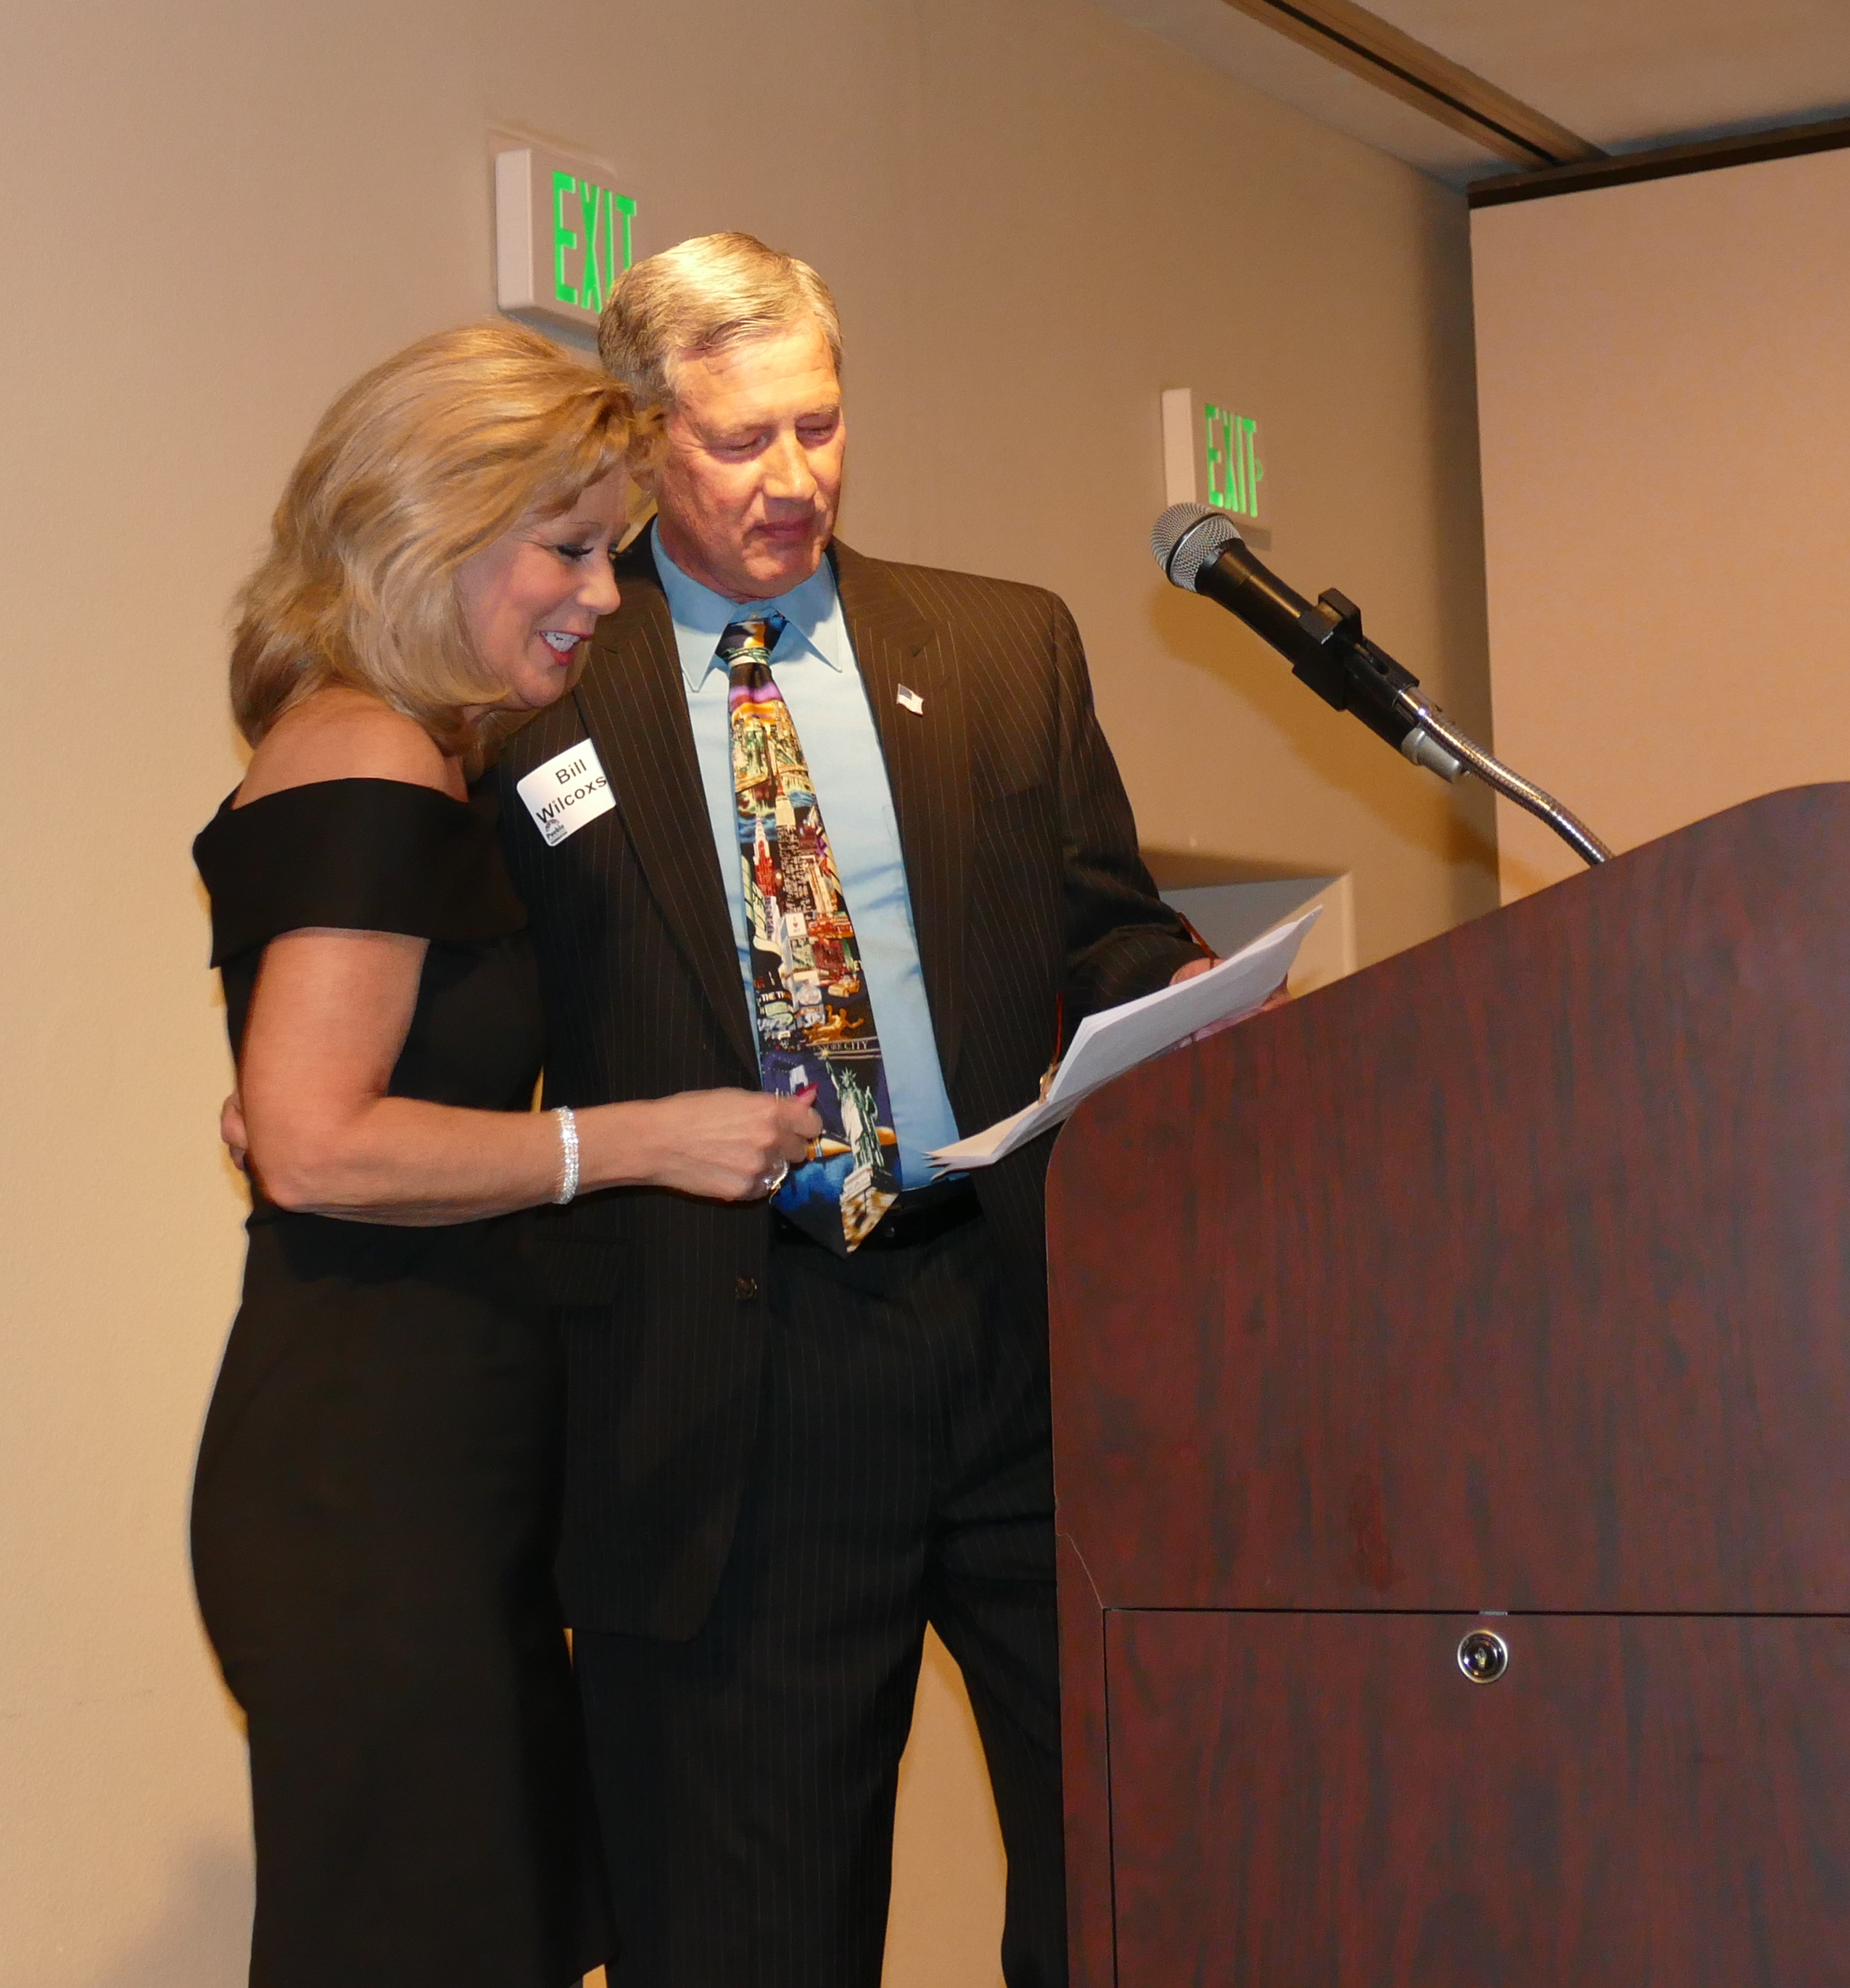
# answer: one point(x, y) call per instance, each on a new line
point(722, 1145)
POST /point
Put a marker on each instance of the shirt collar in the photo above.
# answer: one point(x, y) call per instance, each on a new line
point(813, 619)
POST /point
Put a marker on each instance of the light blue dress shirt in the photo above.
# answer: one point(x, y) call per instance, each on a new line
point(816, 672)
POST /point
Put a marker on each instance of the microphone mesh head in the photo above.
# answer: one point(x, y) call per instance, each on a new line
point(1189, 536)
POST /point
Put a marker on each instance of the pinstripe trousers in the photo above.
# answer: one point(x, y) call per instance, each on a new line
point(746, 1777)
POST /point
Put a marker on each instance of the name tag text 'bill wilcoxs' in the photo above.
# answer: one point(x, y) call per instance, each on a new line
point(567, 792)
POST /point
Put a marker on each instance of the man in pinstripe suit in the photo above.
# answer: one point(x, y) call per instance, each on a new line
point(785, 1461)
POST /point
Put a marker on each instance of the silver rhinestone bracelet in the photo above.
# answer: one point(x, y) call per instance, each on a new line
point(568, 1149)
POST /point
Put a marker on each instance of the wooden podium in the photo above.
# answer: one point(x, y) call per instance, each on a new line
point(1501, 1290)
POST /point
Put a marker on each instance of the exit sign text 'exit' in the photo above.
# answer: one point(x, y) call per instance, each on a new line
point(564, 235)
point(1211, 456)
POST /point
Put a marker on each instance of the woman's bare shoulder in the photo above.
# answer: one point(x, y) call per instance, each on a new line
point(344, 735)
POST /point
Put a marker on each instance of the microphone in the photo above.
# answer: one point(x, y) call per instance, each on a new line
point(1202, 552)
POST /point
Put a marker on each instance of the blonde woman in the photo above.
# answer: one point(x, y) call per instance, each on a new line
point(375, 1505)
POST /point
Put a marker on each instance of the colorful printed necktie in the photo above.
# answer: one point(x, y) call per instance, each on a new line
point(815, 1019)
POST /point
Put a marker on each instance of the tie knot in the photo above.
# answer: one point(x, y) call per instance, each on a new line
point(750, 641)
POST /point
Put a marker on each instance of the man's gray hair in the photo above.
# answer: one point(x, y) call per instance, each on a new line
point(699, 298)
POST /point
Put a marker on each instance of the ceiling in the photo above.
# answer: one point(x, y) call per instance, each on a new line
point(1627, 74)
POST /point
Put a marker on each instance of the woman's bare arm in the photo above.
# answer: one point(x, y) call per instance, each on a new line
point(327, 1024)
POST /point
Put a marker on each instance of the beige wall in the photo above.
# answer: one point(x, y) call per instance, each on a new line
point(1666, 454)
point(217, 212)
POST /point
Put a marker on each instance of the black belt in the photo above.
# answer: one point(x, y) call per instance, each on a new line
point(922, 1215)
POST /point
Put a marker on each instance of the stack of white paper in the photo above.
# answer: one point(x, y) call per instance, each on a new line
point(1106, 1045)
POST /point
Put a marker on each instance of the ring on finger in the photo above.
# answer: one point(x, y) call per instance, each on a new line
point(773, 1181)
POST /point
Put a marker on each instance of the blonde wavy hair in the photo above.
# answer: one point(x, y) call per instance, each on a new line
point(426, 458)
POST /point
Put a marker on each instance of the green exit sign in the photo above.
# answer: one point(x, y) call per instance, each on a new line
point(564, 235)
point(1212, 455)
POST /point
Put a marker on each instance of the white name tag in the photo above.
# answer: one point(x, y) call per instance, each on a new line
point(565, 793)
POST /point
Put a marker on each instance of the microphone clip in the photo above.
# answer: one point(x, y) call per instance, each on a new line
point(1350, 673)
point(1331, 628)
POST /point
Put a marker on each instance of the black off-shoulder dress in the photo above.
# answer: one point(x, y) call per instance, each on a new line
point(376, 1503)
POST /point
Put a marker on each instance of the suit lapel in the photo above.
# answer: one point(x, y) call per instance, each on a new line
point(928, 769)
point(635, 705)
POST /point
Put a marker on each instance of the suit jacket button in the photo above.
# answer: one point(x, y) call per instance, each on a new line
point(746, 1288)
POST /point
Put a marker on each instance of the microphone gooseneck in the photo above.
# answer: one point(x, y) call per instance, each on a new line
point(1201, 551)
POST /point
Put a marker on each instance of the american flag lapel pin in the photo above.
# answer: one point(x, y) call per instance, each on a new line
point(912, 701)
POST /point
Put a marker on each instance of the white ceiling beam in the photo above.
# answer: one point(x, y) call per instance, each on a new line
point(1380, 53)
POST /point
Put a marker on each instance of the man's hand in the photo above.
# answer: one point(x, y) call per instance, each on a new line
point(1277, 998)
point(231, 1130)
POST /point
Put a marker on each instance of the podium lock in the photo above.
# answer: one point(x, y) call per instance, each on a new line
point(1484, 1656)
